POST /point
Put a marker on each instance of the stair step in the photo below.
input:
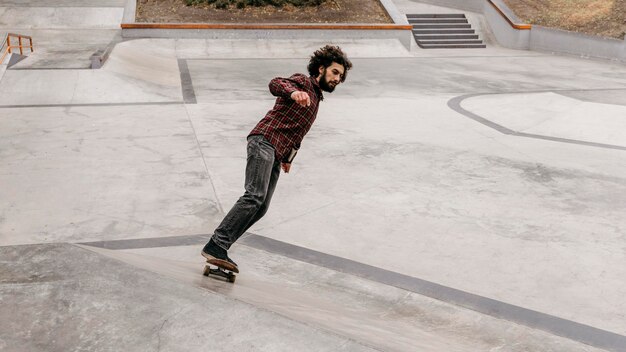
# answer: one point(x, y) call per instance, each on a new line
point(436, 15)
point(442, 20)
point(438, 41)
point(444, 31)
point(436, 26)
point(446, 36)
point(452, 46)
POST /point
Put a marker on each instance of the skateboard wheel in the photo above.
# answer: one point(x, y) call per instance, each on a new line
point(207, 271)
point(232, 278)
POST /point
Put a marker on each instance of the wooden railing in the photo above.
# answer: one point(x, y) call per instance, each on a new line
point(20, 45)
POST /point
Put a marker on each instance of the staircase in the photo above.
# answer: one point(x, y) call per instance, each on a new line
point(444, 31)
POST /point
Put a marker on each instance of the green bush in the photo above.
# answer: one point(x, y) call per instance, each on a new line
point(240, 4)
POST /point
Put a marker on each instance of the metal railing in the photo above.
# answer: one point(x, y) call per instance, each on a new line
point(9, 47)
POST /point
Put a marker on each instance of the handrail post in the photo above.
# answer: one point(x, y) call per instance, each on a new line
point(9, 44)
point(19, 40)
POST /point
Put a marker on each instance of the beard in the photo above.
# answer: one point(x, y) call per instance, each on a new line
point(324, 85)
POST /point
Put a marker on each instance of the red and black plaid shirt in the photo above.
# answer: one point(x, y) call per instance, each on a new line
point(286, 124)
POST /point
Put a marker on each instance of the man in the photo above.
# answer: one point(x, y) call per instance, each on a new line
point(273, 144)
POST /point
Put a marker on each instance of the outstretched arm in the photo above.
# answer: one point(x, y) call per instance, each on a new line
point(284, 87)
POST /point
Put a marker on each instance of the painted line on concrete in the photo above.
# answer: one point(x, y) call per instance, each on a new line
point(558, 326)
point(189, 94)
point(89, 104)
point(48, 68)
point(533, 319)
point(455, 104)
point(154, 242)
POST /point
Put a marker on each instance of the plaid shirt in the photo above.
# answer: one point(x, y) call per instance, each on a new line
point(286, 124)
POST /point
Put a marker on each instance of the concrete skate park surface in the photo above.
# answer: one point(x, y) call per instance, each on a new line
point(443, 201)
point(65, 32)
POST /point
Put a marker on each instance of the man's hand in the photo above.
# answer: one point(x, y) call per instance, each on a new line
point(301, 98)
point(286, 167)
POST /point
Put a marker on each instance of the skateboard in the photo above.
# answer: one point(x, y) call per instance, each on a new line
point(214, 267)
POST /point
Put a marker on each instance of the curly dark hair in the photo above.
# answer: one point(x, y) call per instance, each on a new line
point(325, 56)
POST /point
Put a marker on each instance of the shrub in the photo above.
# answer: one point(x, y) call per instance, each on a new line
point(240, 4)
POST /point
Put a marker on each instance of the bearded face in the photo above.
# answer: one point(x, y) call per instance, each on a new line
point(330, 77)
point(325, 84)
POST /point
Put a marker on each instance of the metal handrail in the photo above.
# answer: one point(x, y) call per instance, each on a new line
point(9, 47)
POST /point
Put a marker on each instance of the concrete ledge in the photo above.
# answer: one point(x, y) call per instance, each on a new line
point(60, 17)
point(400, 29)
point(264, 26)
point(510, 33)
point(507, 32)
point(403, 36)
point(393, 12)
point(130, 11)
point(506, 14)
point(560, 41)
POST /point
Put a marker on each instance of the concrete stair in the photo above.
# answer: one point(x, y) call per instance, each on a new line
point(444, 31)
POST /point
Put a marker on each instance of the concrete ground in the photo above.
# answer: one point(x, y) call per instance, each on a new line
point(445, 200)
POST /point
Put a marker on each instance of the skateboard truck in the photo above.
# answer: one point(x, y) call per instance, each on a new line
point(212, 269)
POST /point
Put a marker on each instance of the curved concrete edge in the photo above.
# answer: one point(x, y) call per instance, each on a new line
point(151, 61)
point(455, 104)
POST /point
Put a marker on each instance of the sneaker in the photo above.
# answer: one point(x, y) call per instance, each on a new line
point(218, 256)
point(230, 260)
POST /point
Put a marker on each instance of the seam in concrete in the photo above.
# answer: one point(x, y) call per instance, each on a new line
point(558, 326)
point(206, 167)
point(189, 96)
point(455, 104)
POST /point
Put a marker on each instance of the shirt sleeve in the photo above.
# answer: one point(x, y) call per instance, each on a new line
point(283, 87)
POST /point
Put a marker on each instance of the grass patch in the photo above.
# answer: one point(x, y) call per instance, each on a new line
point(597, 17)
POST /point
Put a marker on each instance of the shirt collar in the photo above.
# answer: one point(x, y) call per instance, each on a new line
point(316, 84)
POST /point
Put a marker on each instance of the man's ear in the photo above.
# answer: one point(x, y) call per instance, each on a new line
point(321, 69)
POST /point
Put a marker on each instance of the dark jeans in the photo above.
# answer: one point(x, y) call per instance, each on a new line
point(262, 171)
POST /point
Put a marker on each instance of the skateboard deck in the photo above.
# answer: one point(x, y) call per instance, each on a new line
point(215, 267)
